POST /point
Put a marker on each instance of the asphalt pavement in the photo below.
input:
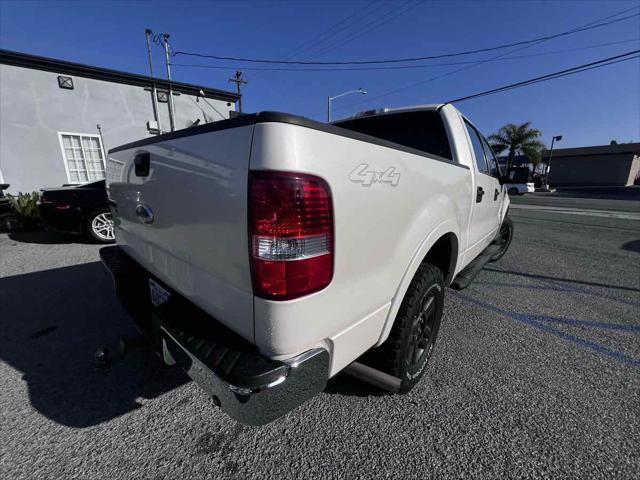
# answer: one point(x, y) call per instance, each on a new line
point(536, 373)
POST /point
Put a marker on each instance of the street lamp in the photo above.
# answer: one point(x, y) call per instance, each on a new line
point(360, 90)
point(556, 138)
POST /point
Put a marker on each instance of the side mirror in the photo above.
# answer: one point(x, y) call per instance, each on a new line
point(504, 174)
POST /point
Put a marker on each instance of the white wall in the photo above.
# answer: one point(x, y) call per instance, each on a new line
point(33, 109)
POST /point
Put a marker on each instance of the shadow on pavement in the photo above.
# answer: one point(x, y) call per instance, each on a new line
point(46, 237)
point(52, 322)
point(632, 246)
point(566, 280)
point(549, 324)
point(343, 384)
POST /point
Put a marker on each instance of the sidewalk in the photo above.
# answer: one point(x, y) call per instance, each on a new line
point(612, 193)
point(586, 201)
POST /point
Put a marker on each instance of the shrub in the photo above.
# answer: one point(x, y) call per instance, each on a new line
point(26, 208)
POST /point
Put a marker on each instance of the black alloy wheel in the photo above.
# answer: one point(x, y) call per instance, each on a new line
point(421, 340)
point(503, 240)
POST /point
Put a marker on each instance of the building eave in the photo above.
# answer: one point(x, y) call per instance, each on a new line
point(25, 60)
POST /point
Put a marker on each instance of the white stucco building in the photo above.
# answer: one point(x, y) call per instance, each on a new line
point(58, 119)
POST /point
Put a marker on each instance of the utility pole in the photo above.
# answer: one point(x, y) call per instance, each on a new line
point(165, 44)
point(156, 114)
point(238, 80)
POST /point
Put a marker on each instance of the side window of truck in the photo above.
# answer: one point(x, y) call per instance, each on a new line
point(492, 161)
point(478, 151)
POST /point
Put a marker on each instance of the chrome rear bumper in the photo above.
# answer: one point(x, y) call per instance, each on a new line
point(249, 387)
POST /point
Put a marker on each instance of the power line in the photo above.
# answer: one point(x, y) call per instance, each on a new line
point(467, 67)
point(320, 37)
point(357, 17)
point(434, 78)
point(507, 88)
point(551, 76)
point(408, 67)
point(414, 59)
point(409, 5)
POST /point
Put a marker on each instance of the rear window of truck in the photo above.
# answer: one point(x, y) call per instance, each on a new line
point(421, 130)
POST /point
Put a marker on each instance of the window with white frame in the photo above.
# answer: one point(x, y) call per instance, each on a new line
point(83, 156)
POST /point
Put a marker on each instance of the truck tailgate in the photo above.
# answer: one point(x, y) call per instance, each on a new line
point(185, 220)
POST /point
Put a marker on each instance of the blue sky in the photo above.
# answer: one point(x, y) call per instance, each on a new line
point(587, 109)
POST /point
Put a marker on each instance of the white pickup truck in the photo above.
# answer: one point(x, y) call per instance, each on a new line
point(266, 253)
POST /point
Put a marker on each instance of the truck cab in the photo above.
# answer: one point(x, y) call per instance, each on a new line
point(442, 130)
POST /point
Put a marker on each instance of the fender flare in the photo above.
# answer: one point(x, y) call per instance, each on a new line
point(444, 228)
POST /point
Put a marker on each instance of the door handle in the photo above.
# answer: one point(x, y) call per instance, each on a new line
point(479, 194)
point(496, 194)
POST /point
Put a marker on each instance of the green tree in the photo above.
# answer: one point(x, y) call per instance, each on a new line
point(521, 138)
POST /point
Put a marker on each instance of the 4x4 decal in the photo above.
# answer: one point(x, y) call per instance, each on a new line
point(367, 176)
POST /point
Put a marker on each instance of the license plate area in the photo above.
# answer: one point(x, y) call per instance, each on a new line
point(158, 294)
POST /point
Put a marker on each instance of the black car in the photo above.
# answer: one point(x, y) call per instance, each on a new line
point(81, 209)
point(8, 219)
point(6, 207)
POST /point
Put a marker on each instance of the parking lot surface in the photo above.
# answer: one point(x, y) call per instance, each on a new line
point(536, 373)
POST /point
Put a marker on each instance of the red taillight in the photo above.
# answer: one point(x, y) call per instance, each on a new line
point(291, 234)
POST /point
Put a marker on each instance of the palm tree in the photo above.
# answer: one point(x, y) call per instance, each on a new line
point(518, 138)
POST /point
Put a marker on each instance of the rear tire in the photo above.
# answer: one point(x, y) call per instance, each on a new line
point(407, 351)
point(98, 226)
point(513, 191)
point(505, 235)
